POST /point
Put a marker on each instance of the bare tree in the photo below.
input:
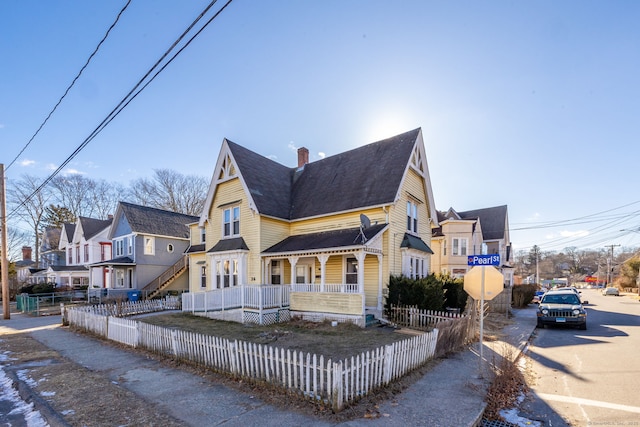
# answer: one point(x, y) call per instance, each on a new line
point(105, 198)
point(16, 239)
point(28, 204)
point(172, 191)
point(73, 192)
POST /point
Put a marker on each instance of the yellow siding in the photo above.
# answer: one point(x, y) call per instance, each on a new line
point(334, 222)
point(371, 280)
point(272, 231)
point(334, 270)
point(194, 272)
point(336, 303)
point(398, 214)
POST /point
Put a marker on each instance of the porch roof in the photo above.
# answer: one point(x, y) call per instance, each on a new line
point(125, 260)
point(61, 268)
point(325, 240)
point(414, 242)
point(235, 244)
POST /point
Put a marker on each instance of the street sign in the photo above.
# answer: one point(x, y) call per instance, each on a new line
point(483, 260)
point(483, 281)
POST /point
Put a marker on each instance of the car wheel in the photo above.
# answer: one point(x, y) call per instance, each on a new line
point(540, 325)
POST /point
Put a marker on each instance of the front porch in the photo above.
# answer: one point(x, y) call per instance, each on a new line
point(268, 304)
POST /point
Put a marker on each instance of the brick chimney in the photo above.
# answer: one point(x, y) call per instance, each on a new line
point(303, 156)
point(26, 253)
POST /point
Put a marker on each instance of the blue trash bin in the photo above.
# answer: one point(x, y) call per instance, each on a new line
point(133, 295)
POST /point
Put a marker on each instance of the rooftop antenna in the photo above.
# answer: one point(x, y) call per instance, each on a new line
point(364, 224)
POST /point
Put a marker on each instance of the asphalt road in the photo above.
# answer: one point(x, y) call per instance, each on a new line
point(588, 378)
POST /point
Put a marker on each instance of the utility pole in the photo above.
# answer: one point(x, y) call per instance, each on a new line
point(4, 264)
point(610, 264)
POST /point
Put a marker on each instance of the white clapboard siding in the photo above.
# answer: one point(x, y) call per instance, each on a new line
point(336, 383)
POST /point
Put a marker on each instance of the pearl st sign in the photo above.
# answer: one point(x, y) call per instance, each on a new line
point(483, 260)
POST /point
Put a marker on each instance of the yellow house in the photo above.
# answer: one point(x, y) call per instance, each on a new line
point(318, 241)
point(474, 232)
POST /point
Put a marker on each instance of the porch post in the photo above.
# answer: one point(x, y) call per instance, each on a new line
point(293, 260)
point(379, 282)
point(360, 257)
point(323, 258)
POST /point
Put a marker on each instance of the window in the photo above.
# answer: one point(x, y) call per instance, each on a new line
point(86, 253)
point(170, 248)
point(70, 258)
point(276, 277)
point(415, 265)
point(119, 247)
point(149, 245)
point(225, 277)
point(459, 246)
point(130, 245)
point(203, 235)
point(351, 273)
point(203, 276)
point(218, 270)
point(444, 247)
point(231, 222)
point(412, 217)
point(77, 254)
point(120, 278)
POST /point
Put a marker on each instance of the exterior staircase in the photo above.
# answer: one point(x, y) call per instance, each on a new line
point(161, 282)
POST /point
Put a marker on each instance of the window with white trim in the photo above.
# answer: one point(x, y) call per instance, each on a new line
point(149, 245)
point(203, 235)
point(444, 247)
point(120, 278)
point(276, 277)
point(203, 276)
point(459, 246)
point(119, 247)
point(412, 217)
point(70, 257)
point(86, 252)
point(351, 271)
point(130, 245)
point(231, 222)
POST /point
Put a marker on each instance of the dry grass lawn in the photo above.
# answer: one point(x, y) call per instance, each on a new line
point(335, 342)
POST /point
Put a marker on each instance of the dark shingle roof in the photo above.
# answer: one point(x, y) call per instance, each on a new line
point(195, 248)
point(413, 242)
point(92, 226)
point(325, 240)
point(492, 220)
point(68, 268)
point(362, 177)
point(146, 220)
point(69, 228)
point(235, 244)
point(269, 182)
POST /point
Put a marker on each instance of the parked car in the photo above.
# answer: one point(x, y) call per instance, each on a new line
point(561, 307)
point(611, 291)
point(537, 296)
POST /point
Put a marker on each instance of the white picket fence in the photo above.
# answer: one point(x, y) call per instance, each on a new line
point(412, 317)
point(131, 308)
point(334, 382)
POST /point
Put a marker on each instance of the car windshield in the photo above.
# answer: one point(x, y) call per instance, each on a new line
point(561, 299)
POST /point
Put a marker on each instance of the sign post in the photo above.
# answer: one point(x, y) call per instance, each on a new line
point(483, 282)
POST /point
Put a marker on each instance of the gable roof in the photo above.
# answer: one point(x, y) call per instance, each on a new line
point(296, 193)
point(158, 222)
point(69, 229)
point(350, 176)
point(93, 226)
point(493, 221)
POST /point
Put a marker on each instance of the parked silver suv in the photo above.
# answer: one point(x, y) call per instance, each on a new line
point(561, 307)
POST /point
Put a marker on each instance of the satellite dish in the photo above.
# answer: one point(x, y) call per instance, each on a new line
point(364, 221)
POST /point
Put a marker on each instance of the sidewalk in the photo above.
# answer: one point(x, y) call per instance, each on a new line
point(450, 394)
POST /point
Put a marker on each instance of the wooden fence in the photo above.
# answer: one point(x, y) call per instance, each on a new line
point(454, 330)
point(334, 382)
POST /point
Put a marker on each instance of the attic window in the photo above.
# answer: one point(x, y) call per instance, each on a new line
point(231, 222)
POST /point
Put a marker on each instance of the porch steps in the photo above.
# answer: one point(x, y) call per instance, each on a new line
point(371, 320)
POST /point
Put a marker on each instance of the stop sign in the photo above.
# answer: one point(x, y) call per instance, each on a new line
point(493, 282)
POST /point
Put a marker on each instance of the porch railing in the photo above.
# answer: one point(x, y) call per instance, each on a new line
point(251, 297)
point(344, 288)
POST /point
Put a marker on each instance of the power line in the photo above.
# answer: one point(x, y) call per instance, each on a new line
point(133, 93)
point(86, 64)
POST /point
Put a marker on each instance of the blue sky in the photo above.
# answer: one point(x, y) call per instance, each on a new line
point(534, 105)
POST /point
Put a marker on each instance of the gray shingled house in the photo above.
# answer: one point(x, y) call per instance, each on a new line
point(148, 250)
